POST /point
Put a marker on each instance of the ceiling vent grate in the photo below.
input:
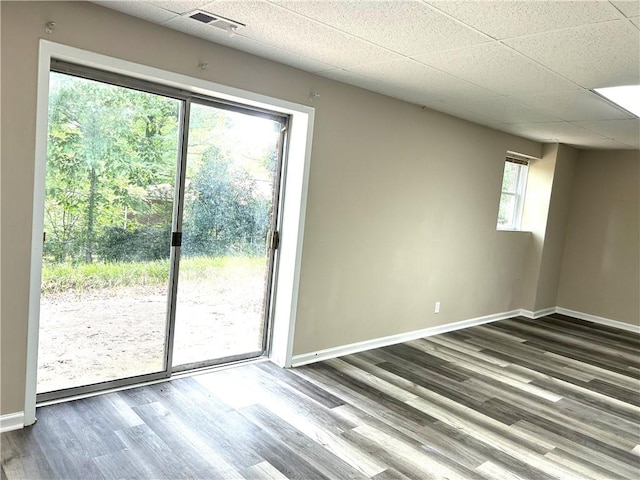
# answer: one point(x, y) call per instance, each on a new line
point(214, 20)
point(202, 17)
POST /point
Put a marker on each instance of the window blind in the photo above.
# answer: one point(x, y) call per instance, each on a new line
point(519, 161)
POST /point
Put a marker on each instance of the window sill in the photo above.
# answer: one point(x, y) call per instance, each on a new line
point(513, 230)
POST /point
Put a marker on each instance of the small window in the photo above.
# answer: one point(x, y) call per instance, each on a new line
point(514, 184)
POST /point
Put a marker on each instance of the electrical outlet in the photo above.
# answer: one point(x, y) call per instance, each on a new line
point(437, 309)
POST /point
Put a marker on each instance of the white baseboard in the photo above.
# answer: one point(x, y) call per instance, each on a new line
point(601, 320)
point(537, 313)
point(11, 421)
point(306, 358)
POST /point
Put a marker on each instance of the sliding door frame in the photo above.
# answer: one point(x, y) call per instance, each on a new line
point(284, 300)
point(122, 81)
point(283, 120)
point(184, 116)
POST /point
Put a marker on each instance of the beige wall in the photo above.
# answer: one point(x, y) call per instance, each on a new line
point(534, 220)
point(403, 215)
point(557, 218)
point(545, 216)
point(402, 204)
point(601, 266)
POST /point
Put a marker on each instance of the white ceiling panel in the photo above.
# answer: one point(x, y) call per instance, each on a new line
point(407, 74)
point(563, 132)
point(605, 143)
point(496, 108)
point(602, 55)
point(496, 67)
point(178, 6)
point(139, 9)
point(246, 45)
point(354, 79)
point(630, 8)
point(283, 29)
point(374, 85)
point(493, 62)
point(574, 105)
point(410, 95)
point(626, 131)
point(415, 28)
point(507, 19)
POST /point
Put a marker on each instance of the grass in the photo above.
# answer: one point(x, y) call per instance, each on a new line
point(58, 278)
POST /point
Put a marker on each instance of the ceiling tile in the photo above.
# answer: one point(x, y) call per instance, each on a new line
point(409, 75)
point(442, 93)
point(415, 28)
point(593, 56)
point(474, 118)
point(630, 8)
point(529, 86)
point(276, 54)
point(501, 109)
point(573, 105)
point(246, 45)
point(625, 131)
point(562, 132)
point(606, 143)
point(138, 9)
point(496, 68)
point(432, 100)
point(378, 86)
point(178, 6)
point(512, 19)
point(275, 26)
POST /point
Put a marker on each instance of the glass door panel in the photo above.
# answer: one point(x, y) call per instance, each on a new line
point(111, 163)
point(230, 180)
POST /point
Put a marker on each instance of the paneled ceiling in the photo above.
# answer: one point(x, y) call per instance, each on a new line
point(525, 67)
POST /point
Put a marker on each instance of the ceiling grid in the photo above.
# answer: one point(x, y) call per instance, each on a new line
point(523, 67)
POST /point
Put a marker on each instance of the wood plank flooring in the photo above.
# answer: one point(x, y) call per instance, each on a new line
point(553, 398)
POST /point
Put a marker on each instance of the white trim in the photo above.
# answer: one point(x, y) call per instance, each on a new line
point(320, 355)
point(11, 421)
point(37, 228)
point(600, 320)
point(79, 56)
point(291, 233)
point(295, 194)
point(537, 313)
point(521, 155)
point(306, 358)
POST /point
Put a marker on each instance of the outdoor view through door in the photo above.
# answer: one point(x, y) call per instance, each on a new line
point(126, 166)
point(228, 204)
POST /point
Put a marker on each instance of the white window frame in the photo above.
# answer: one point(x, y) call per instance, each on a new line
point(519, 194)
point(295, 182)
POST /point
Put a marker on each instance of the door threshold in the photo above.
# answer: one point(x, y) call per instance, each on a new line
point(176, 376)
point(214, 368)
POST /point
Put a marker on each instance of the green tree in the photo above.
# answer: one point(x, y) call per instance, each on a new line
point(224, 216)
point(108, 148)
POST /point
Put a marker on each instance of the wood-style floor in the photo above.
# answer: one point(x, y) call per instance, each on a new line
point(530, 399)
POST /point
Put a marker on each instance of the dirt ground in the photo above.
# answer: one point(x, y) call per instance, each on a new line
point(108, 334)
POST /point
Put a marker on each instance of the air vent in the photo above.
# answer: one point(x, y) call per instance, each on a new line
point(202, 17)
point(214, 20)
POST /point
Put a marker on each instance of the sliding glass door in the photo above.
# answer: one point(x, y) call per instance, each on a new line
point(158, 207)
point(111, 163)
point(229, 211)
